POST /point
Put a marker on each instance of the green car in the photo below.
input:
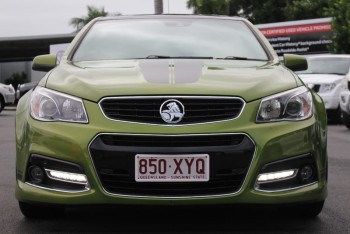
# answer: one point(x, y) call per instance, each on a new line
point(170, 110)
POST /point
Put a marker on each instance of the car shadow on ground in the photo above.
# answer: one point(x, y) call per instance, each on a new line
point(171, 220)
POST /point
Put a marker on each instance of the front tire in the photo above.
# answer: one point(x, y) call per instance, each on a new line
point(32, 211)
point(346, 119)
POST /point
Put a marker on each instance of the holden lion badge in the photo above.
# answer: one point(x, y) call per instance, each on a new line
point(172, 111)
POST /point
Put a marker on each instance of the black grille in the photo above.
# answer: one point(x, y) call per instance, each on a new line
point(197, 109)
point(114, 160)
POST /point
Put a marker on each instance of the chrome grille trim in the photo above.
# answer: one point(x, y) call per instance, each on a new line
point(86, 189)
point(286, 189)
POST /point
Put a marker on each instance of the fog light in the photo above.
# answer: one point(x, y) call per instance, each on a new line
point(36, 174)
point(67, 176)
point(278, 175)
point(306, 173)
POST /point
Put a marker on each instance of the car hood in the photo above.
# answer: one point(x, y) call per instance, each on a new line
point(94, 80)
point(320, 78)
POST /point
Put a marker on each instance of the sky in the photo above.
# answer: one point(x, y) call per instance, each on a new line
point(46, 17)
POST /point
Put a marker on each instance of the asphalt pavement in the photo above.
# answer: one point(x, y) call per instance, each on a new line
point(335, 217)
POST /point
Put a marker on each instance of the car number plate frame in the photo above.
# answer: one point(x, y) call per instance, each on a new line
point(172, 168)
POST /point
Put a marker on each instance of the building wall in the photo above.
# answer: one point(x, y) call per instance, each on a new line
point(7, 69)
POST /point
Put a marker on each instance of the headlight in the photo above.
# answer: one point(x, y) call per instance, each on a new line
point(326, 88)
point(292, 105)
point(11, 89)
point(49, 105)
point(7, 88)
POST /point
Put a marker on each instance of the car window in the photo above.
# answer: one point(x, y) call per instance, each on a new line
point(327, 66)
point(151, 38)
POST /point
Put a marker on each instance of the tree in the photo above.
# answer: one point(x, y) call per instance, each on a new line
point(301, 9)
point(269, 11)
point(158, 7)
point(17, 78)
point(258, 12)
point(208, 7)
point(340, 13)
point(92, 13)
point(265, 11)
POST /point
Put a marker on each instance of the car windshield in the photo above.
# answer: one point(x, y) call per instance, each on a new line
point(170, 38)
point(327, 66)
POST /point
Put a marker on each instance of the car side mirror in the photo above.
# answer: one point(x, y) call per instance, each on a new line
point(44, 62)
point(295, 62)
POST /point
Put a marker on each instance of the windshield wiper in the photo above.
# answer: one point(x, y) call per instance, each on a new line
point(157, 57)
point(336, 73)
point(241, 58)
point(233, 58)
point(176, 57)
point(191, 57)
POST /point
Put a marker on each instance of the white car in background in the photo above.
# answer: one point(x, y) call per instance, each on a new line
point(328, 75)
point(345, 106)
point(7, 95)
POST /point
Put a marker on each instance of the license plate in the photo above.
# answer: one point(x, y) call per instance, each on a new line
point(172, 168)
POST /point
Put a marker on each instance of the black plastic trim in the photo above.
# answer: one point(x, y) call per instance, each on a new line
point(55, 164)
point(297, 162)
point(115, 167)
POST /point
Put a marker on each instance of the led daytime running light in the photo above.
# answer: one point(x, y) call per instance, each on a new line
point(67, 176)
point(275, 176)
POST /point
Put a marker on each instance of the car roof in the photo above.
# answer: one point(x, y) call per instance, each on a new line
point(171, 16)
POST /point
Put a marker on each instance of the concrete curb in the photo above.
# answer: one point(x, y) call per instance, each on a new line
point(10, 108)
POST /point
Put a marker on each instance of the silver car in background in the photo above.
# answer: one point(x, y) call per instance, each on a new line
point(328, 75)
point(24, 88)
point(7, 95)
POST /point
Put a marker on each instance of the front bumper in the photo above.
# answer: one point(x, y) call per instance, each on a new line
point(10, 98)
point(345, 101)
point(70, 142)
point(331, 101)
